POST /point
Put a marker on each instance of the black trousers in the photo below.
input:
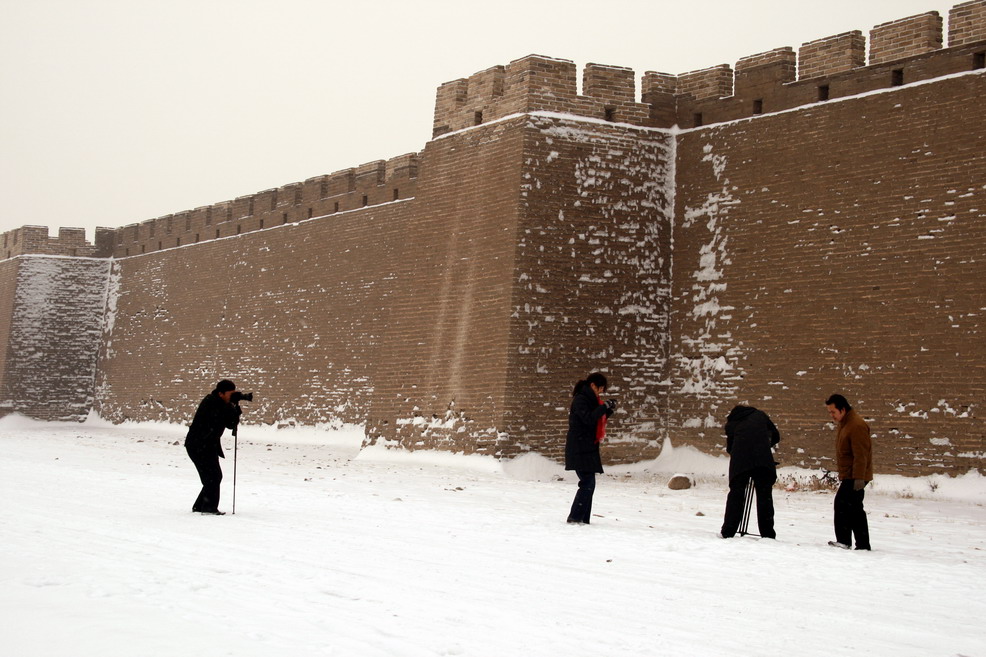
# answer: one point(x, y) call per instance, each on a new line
point(850, 517)
point(211, 475)
point(763, 483)
point(582, 504)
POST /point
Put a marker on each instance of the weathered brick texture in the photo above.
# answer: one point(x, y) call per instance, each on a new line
point(442, 378)
point(591, 280)
point(373, 183)
point(538, 84)
point(967, 23)
point(52, 334)
point(831, 55)
point(772, 86)
point(715, 82)
point(8, 291)
point(906, 37)
point(294, 313)
point(815, 253)
point(68, 242)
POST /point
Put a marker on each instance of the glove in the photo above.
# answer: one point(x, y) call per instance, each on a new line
point(610, 406)
point(859, 484)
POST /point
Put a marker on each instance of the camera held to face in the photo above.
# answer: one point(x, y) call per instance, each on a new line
point(238, 396)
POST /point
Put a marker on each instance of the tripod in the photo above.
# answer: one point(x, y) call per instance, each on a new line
point(744, 523)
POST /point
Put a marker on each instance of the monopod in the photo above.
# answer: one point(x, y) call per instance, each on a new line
point(235, 398)
point(235, 444)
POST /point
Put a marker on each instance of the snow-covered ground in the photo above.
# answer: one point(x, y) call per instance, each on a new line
point(337, 552)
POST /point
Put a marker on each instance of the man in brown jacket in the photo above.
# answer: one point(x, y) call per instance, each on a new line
point(854, 459)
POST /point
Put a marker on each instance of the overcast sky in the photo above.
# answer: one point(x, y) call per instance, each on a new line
point(118, 111)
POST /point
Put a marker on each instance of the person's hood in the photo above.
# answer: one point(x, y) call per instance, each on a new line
point(740, 413)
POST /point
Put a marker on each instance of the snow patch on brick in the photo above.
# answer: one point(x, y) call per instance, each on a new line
point(707, 366)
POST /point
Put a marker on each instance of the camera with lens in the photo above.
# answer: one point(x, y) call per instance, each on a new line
point(238, 396)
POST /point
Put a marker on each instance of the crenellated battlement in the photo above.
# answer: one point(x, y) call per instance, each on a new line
point(538, 84)
point(714, 82)
point(906, 37)
point(373, 183)
point(967, 23)
point(900, 52)
point(68, 242)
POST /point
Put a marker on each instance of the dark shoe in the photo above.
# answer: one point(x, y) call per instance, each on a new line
point(213, 513)
point(721, 535)
point(863, 548)
point(836, 544)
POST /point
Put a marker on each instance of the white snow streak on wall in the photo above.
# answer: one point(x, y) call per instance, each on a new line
point(710, 366)
point(620, 231)
point(114, 281)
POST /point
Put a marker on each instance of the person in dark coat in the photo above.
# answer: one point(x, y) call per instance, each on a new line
point(586, 429)
point(750, 435)
point(215, 414)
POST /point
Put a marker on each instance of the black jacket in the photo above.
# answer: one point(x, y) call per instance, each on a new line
point(581, 449)
point(749, 436)
point(212, 417)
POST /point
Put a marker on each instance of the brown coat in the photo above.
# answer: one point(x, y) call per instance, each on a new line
point(853, 448)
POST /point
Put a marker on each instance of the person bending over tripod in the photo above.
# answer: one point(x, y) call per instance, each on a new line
point(215, 413)
point(750, 435)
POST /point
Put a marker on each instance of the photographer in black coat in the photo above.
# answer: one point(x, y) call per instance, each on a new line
point(586, 429)
point(215, 414)
point(750, 435)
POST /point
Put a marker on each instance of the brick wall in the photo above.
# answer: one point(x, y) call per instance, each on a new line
point(51, 314)
point(759, 77)
point(429, 320)
point(816, 253)
point(8, 289)
point(967, 23)
point(906, 37)
point(715, 82)
point(591, 283)
point(831, 55)
point(659, 90)
point(293, 313)
point(442, 378)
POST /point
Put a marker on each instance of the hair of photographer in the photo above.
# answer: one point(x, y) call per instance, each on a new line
point(597, 379)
